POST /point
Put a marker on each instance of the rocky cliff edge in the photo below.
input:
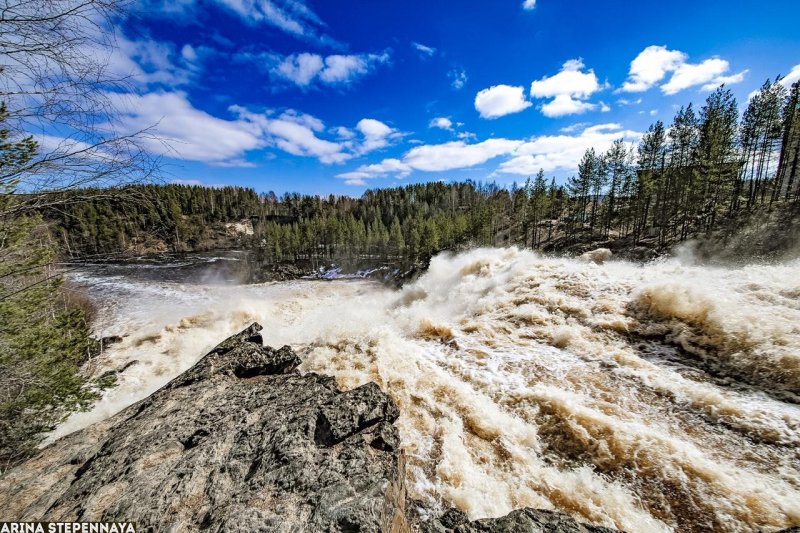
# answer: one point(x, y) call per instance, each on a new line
point(242, 442)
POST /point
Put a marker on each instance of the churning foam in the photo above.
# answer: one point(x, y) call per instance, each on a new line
point(647, 398)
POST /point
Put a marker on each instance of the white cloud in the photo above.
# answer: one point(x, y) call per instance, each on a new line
point(562, 152)
point(423, 49)
point(689, 75)
point(293, 17)
point(149, 62)
point(372, 128)
point(177, 129)
point(290, 16)
point(568, 89)
point(376, 135)
point(570, 81)
point(343, 133)
point(433, 158)
point(365, 172)
point(458, 78)
point(726, 80)
point(574, 127)
point(793, 76)
point(189, 53)
point(298, 138)
point(180, 130)
point(528, 4)
point(650, 67)
point(441, 123)
point(523, 157)
point(500, 100)
point(457, 154)
point(304, 69)
point(653, 64)
point(300, 68)
point(563, 104)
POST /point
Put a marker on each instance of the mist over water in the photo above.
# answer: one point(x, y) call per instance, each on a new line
point(647, 398)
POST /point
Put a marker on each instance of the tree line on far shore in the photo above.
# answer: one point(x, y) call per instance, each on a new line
point(682, 180)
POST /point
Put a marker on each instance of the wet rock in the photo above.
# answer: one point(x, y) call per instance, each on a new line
point(98, 346)
point(227, 446)
point(250, 359)
point(598, 256)
point(127, 365)
point(448, 521)
point(519, 521)
point(111, 339)
point(351, 412)
point(280, 272)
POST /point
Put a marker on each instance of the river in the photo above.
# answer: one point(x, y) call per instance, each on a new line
point(653, 397)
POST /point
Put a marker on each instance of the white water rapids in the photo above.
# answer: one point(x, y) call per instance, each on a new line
point(647, 398)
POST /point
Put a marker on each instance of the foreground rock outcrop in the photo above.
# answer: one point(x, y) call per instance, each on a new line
point(242, 442)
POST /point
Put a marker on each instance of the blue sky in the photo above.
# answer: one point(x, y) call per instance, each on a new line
point(337, 97)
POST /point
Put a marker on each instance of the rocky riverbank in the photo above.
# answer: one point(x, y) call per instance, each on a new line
point(242, 442)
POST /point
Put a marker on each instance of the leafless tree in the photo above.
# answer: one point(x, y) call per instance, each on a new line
point(59, 86)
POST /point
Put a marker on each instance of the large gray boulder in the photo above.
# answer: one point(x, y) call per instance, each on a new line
point(524, 520)
point(239, 442)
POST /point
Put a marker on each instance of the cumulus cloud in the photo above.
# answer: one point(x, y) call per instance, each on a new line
point(458, 78)
point(689, 75)
point(571, 80)
point(528, 5)
point(443, 123)
point(305, 69)
point(564, 104)
point(423, 49)
point(501, 100)
point(562, 152)
point(569, 90)
point(655, 62)
point(376, 134)
point(650, 67)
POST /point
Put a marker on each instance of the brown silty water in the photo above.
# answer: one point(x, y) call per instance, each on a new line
point(644, 397)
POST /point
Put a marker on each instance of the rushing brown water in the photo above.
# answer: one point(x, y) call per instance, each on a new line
point(648, 398)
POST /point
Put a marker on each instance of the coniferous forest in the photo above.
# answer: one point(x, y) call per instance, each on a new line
point(705, 171)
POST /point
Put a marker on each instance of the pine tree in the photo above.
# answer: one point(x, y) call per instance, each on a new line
point(651, 156)
point(788, 174)
point(717, 160)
